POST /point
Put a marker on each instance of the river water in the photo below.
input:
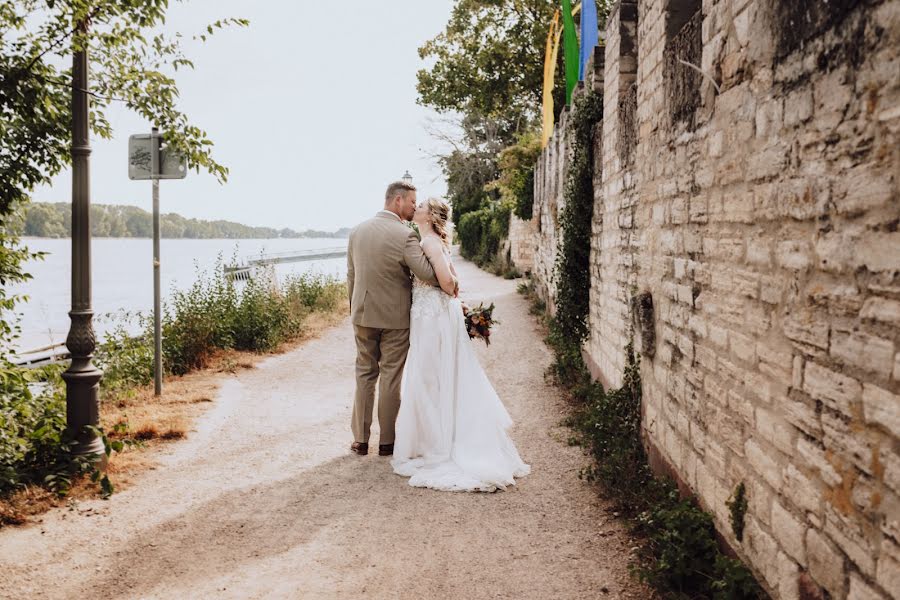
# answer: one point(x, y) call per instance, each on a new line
point(123, 276)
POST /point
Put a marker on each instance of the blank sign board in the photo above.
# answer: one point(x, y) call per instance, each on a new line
point(171, 165)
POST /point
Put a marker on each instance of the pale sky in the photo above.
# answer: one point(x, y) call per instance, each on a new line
point(312, 107)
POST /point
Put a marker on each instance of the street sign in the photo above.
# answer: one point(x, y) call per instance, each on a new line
point(171, 165)
point(147, 159)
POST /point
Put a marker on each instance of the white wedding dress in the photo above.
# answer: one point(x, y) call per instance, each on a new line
point(452, 426)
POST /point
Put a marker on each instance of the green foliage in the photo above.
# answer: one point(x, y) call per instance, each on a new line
point(35, 447)
point(12, 257)
point(610, 424)
point(472, 164)
point(482, 231)
point(126, 360)
point(213, 314)
point(55, 220)
point(683, 558)
point(313, 292)
point(490, 60)
point(197, 321)
point(572, 269)
point(680, 556)
point(129, 64)
point(32, 428)
point(737, 508)
point(262, 318)
point(516, 181)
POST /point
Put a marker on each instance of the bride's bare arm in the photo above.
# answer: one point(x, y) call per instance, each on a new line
point(442, 268)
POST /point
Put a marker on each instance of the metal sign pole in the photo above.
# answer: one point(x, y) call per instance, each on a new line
point(147, 161)
point(157, 317)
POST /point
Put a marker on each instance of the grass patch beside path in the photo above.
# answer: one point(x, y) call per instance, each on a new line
point(211, 330)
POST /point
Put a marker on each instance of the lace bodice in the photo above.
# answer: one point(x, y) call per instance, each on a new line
point(429, 300)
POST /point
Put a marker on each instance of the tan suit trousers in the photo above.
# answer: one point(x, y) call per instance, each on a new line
point(378, 352)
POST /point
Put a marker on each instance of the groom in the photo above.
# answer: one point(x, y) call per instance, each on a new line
point(380, 255)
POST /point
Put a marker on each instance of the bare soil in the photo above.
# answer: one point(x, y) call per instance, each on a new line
point(263, 499)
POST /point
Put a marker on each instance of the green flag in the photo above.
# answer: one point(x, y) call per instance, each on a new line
point(570, 47)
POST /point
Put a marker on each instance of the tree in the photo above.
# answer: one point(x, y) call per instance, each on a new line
point(471, 162)
point(490, 60)
point(128, 65)
point(516, 180)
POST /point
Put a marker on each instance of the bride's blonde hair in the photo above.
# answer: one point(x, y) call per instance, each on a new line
point(439, 211)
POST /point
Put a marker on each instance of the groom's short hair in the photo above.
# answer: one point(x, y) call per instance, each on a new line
point(397, 188)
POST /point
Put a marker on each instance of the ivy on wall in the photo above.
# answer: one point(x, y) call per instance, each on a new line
point(572, 269)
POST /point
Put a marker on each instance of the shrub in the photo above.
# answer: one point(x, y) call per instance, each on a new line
point(216, 314)
point(516, 181)
point(261, 319)
point(313, 292)
point(681, 556)
point(34, 447)
point(197, 321)
point(126, 360)
point(481, 232)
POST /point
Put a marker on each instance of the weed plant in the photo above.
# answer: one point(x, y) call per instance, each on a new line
point(680, 556)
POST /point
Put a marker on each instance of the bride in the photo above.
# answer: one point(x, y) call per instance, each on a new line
point(452, 426)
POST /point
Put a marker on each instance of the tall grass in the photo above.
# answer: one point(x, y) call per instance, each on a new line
point(216, 314)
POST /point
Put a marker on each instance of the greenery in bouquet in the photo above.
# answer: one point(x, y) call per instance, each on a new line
point(479, 321)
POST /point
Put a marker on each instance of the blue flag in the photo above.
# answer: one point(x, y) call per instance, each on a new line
point(589, 37)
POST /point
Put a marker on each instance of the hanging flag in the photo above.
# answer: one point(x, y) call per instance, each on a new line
point(570, 48)
point(549, 76)
point(589, 35)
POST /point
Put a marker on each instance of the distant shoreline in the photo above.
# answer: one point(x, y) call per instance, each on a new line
point(120, 221)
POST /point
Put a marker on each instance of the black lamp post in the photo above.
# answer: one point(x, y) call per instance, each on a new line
point(407, 177)
point(82, 377)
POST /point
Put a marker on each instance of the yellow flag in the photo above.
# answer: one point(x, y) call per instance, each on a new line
point(549, 75)
point(553, 39)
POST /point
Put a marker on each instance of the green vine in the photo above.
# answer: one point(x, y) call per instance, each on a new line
point(572, 269)
point(737, 505)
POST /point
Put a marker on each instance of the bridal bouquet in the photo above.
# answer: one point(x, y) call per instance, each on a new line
point(479, 321)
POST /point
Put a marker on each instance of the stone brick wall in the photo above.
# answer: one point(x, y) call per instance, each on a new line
point(519, 244)
point(549, 178)
point(761, 216)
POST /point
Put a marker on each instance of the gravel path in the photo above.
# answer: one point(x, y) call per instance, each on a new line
point(264, 500)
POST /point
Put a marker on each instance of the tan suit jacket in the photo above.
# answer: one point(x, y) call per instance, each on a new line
point(381, 255)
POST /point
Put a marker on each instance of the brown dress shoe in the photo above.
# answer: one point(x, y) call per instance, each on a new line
point(385, 449)
point(360, 448)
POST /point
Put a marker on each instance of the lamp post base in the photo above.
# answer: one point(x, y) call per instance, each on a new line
point(82, 385)
point(83, 408)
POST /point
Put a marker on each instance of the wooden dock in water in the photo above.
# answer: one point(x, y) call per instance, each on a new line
point(244, 271)
point(39, 357)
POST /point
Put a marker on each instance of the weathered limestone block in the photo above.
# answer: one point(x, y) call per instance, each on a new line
point(826, 563)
